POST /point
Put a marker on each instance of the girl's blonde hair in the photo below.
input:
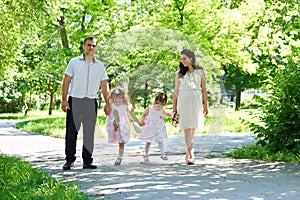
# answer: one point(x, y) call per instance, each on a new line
point(117, 93)
point(160, 98)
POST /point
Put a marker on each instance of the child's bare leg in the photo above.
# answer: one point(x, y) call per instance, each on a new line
point(147, 148)
point(121, 149)
point(146, 155)
point(161, 147)
point(121, 152)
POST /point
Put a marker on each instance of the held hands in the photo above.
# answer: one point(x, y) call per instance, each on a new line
point(107, 110)
point(142, 123)
point(175, 119)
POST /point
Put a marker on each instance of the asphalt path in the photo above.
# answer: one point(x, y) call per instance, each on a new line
point(213, 177)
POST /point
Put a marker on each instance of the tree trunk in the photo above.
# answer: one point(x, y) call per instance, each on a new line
point(51, 102)
point(180, 7)
point(238, 100)
point(63, 33)
point(146, 95)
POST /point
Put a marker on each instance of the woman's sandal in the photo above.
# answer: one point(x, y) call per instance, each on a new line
point(146, 160)
point(164, 157)
point(190, 161)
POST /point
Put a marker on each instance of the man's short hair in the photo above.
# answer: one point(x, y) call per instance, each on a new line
point(90, 38)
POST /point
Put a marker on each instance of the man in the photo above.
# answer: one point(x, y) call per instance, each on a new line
point(83, 78)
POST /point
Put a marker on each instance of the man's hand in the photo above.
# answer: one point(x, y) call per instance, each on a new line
point(65, 106)
point(107, 111)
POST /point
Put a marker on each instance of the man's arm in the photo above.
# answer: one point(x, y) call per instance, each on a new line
point(105, 89)
point(64, 91)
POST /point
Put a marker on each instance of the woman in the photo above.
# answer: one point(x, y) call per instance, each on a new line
point(190, 100)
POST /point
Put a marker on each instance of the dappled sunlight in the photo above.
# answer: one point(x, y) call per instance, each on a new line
point(212, 177)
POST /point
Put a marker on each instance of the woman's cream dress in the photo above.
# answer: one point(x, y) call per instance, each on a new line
point(190, 103)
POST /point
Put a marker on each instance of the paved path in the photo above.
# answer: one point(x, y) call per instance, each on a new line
point(214, 177)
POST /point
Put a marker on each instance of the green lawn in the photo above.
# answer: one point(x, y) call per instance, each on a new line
point(19, 180)
point(54, 125)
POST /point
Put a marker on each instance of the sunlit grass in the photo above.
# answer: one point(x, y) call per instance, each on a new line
point(54, 125)
point(262, 153)
point(19, 180)
point(35, 114)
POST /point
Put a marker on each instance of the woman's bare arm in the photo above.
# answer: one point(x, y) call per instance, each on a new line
point(176, 91)
point(204, 94)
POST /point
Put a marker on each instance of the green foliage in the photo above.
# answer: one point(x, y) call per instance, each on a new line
point(280, 128)
point(276, 49)
point(264, 153)
point(10, 97)
point(19, 180)
point(250, 104)
point(16, 29)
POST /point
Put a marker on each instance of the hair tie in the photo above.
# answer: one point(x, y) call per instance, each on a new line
point(117, 91)
point(163, 96)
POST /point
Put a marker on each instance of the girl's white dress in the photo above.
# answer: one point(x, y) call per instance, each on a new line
point(154, 129)
point(190, 103)
point(122, 135)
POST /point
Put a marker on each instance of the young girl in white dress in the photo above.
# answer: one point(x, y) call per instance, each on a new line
point(153, 126)
point(117, 122)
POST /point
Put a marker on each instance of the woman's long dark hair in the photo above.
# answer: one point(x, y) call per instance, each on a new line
point(189, 53)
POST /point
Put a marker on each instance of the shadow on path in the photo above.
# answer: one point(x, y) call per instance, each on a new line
point(212, 177)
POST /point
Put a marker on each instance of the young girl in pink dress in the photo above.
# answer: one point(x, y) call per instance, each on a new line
point(117, 122)
point(153, 126)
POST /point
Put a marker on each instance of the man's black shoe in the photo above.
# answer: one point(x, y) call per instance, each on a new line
point(89, 166)
point(68, 165)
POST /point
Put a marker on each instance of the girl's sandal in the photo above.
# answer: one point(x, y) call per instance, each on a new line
point(118, 161)
point(146, 160)
point(164, 157)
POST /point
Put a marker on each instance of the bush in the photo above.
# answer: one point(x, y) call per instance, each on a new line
point(279, 127)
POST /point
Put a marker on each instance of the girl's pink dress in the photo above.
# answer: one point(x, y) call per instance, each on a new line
point(154, 129)
point(122, 135)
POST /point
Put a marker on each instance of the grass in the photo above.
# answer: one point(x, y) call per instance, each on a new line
point(19, 180)
point(262, 153)
point(41, 122)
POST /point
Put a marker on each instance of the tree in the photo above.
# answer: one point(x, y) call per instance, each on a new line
point(16, 30)
point(275, 47)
